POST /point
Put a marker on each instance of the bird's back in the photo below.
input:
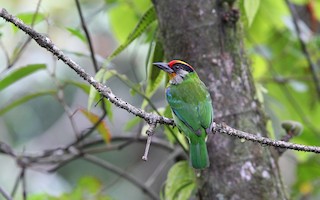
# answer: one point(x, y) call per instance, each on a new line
point(191, 103)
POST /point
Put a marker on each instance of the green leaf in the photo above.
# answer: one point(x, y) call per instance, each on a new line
point(251, 7)
point(108, 109)
point(142, 25)
point(260, 66)
point(181, 182)
point(155, 75)
point(41, 197)
point(28, 18)
point(306, 179)
point(19, 74)
point(83, 86)
point(132, 123)
point(86, 88)
point(123, 29)
point(316, 10)
point(300, 2)
point(136, 87)
point(24, 99)
point(110, 2)
point(272, 10)
point(93, 94)
point(260, 90)
point(133, 10)
point(77, 33)
point(87, 188)
point(102, 76)
point(89, 183)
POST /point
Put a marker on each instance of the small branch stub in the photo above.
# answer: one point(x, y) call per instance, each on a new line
point(292, 129)
point(150, 118)
point(150, 133)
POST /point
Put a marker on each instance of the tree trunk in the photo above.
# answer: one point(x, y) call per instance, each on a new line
point(207, 35)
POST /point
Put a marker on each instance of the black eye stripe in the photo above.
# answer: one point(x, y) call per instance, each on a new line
point(182, 66)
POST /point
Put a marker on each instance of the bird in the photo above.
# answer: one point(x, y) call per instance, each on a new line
point(191, 107)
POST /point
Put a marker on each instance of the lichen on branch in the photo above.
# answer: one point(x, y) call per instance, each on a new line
point(150, 118)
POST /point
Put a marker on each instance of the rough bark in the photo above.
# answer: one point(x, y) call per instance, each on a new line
point(206, 34)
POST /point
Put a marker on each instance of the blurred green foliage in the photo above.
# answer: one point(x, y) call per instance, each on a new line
point(280, 65)
point(283, 78)
point(88, 188)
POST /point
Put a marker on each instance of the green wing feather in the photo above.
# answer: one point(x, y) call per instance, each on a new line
point(191, 106)
point(191, 102)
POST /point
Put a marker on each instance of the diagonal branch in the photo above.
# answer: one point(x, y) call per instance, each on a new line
point(23, 46)
point(86, 31)
point(222, 128)
point(150, 118)
point(46, 43)
point(4, 194)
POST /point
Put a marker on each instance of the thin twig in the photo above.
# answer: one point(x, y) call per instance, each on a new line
point(25, 43)
point(126, 140)
point(86, 31)
point(24, 184)
point(150, 133)
point(94, 62)
point(161, 143)
point(63, 163)
point(62, 155)
point(87, 133)
point(146, 150)
point(97, 161)
point(16, 183)
point(152, 178)
point(46, 43)
point(4, 194)
point(106, 148)
point(132, 86)
point(222, 128)
point(6, 149)
point(5, 52)
point(150, 118)
point(60, 97)
point(305, 51)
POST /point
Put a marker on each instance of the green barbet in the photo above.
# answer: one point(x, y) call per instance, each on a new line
point(191, 107)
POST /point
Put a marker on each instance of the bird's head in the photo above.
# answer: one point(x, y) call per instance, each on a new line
point(176, 69)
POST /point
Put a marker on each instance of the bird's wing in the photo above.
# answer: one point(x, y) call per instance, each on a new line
point(205, 110)
point(182, 110)
point(191, 103)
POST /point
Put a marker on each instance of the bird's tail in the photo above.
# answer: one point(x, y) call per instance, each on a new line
point(199, 154)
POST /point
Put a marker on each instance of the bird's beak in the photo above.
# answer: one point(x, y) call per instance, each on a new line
point(164, 66)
